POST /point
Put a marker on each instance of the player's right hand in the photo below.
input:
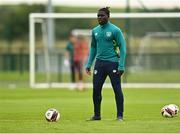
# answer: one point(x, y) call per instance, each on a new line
point(88, 71)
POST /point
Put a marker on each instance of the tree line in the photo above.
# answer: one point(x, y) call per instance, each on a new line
point(14, 22)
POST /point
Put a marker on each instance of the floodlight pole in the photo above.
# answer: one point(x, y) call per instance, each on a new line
point(50, 26)
point(127, 30)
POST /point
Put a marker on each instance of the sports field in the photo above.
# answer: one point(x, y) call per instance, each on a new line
point(22, 110)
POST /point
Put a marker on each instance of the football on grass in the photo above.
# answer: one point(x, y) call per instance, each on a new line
point(52, 115)
point(170, 110)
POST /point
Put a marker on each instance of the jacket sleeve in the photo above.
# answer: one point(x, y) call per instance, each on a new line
point(92, 53)
point(122, 47)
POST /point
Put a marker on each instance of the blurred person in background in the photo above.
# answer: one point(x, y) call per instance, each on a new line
point(80, 57)
point(76, 56)
point(69, 57)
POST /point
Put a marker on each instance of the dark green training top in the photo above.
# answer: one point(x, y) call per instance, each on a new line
point(70, 50)
point(104, 40)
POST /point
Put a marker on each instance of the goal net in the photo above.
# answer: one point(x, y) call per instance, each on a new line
point(153, 48)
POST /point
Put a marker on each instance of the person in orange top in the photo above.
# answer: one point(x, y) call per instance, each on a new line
point(80, 56)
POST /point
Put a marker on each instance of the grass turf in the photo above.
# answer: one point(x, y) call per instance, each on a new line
point(158, 76)
point(22, 110)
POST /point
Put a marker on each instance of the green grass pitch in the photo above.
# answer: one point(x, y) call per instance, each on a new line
point(22, 111)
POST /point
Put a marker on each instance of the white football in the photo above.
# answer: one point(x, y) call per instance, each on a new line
point(175, 108)
point(170, 110)
point(52, 115)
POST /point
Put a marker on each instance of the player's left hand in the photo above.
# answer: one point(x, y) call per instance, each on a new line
point(88, 71)
point(120, 72)
point(66, 62)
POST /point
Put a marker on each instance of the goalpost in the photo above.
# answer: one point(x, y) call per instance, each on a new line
point(147, 43)
point(39, 18)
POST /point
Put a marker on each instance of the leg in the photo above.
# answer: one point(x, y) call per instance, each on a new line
point(72, 73)
point(80, 70)
point(99, 77)
point(80, 75)
point(76, 71)
point(116, 84)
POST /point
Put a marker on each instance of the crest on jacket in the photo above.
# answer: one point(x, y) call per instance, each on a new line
point(108, 34)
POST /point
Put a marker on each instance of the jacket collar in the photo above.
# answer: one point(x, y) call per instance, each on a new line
point(105, 25)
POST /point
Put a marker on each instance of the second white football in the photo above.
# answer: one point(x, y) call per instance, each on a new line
point(170, 110)
point(52, 115)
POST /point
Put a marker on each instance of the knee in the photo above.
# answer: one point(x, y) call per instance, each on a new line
point(97, 95)
point(118, 92)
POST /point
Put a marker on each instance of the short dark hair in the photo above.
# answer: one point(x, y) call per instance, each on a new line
point(106, 10)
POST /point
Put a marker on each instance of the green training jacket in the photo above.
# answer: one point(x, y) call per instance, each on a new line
point(104, 43)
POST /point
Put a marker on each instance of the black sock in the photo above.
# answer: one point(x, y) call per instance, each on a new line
point(120, 114)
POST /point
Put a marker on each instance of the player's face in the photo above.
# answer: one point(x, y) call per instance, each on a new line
point(102, 17)
point(73, 39)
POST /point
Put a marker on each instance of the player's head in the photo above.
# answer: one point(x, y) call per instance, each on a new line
point(72, 38)
point(80, 37)
point(103, 15)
